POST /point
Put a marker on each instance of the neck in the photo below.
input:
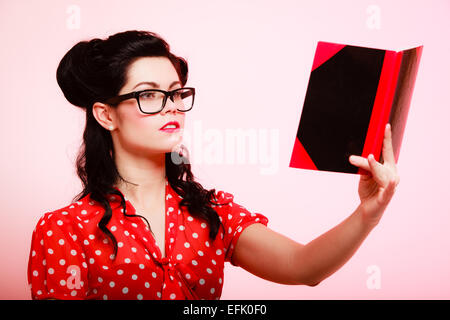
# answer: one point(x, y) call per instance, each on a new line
point(145, 178)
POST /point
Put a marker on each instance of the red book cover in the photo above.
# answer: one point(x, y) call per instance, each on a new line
point(352, 93)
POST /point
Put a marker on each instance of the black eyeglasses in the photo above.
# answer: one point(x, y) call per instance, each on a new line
point(152, 101)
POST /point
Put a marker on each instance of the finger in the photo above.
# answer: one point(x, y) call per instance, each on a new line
point(360, 162)
point(388, 150)
point(386, 195)
point(378, 171)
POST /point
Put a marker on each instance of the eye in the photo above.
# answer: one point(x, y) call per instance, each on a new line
point(148, 95)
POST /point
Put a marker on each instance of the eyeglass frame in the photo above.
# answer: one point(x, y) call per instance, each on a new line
point(135, 94)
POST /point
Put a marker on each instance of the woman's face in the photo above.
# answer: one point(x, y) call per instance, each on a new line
point(140, 133)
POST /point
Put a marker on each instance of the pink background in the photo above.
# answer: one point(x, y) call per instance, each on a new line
point(247, 47)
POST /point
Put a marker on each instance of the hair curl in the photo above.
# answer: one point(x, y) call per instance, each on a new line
point(96, 70)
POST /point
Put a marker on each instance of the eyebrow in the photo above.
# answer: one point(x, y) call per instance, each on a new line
point(154, 84)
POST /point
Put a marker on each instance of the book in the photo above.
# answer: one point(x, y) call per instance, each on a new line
point(352, 93)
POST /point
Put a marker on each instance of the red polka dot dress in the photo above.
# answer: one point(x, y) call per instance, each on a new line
point(71, 258)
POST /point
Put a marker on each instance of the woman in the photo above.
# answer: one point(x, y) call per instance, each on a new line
point(142, 228)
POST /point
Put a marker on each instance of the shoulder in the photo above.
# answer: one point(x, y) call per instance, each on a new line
point(70, 216)
point(231, 211)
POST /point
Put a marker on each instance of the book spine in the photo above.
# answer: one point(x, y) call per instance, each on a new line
point(382, 106)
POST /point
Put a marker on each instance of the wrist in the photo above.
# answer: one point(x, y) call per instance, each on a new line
point(368, 221)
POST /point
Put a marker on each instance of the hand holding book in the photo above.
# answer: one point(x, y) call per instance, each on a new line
point(378, 186)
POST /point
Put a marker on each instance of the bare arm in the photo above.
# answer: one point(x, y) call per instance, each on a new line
point(274, 257)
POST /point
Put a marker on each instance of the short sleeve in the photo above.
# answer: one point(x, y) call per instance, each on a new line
point(235, 218)
point(56, 266)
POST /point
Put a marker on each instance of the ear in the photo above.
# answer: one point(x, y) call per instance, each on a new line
point(104, 114)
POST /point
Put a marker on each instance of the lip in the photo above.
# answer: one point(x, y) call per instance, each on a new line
point(177, 125)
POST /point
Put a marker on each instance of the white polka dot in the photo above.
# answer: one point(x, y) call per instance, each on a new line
point(39, 292)
point(51, 271)
point(220, 280)
point(203, 225)
point(73, 293)
point(219, 252)
point(73, 252)
point(105, 297)
point(195, 235)
point(113, 228)
point(158, 294)
point(62, 282)
point(100, 279)
point(134, 277)
point(91, 260)
point(35, 273)
point(213, 261)
point(208, 270)
point(181, 227)
point(112, 256)
point(230, 216)
point(170, 209)
point(112, 284)
point(105, 267)
point(147, 285)
point(139, 296)
point(200, 252)
point(190, 218)
point(213, 290)
point(50, 251)
point(127, 260)
point(98, 252)
point(239, 229)
point(84, 264)
point(120, 244)
point(201, 281)
point(126, 233)
point(207, 243)
point(61, 242)
point(85, 242)
point(188, 276)
point(172, 296)
point(64, 213)
point(134, 249)
point(62, 262)
point(125, 290)
point(44, 262)
point(154, 274)
point(179, 256)
point(74, 237)
point(141, 266)
point(91, 236)
point(49, 233)
point(187, 245)
point(120, 272)
point(194, 262)
point(229, 230)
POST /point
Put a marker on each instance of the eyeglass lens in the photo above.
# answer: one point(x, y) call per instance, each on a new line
point(152, 101)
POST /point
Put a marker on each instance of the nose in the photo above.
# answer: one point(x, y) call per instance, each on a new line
point(170, 106)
